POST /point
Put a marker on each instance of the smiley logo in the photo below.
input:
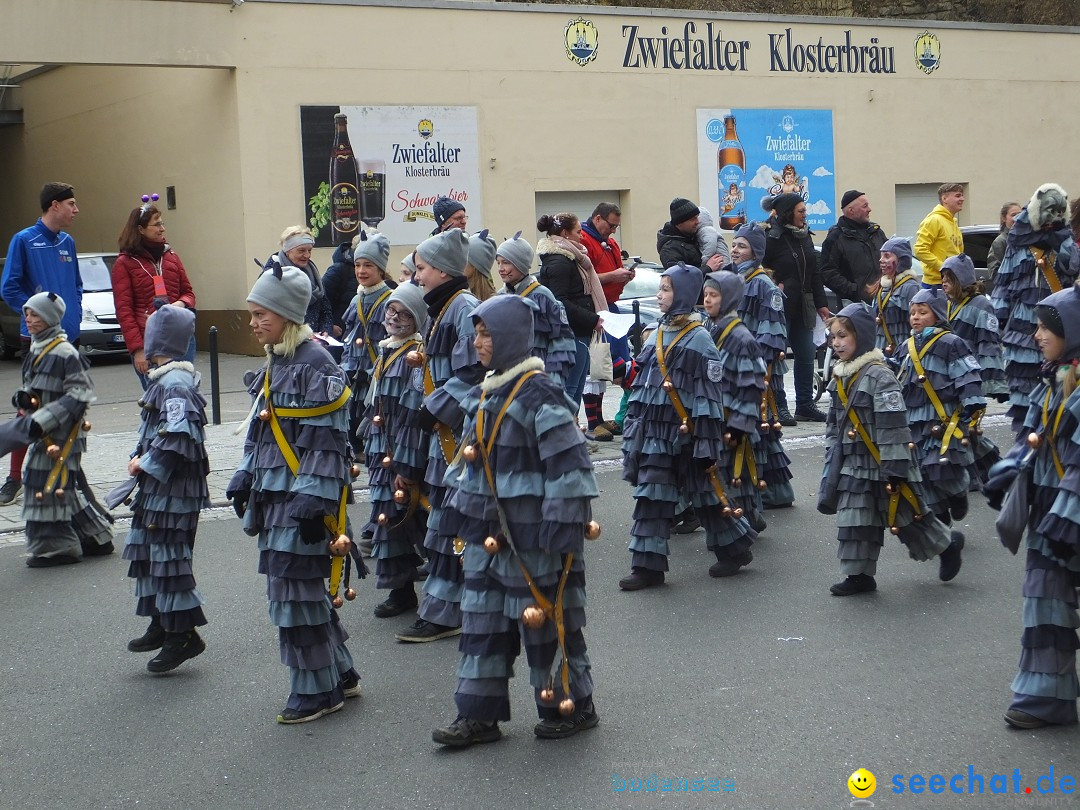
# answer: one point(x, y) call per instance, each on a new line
point(862, 784)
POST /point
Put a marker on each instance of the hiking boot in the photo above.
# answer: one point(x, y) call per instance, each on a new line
point(465, 731)
point(10, 490)
point(422, 630)
point(1019, 719)
point(809, 413)
point(97, 550)
point(291, 717)
point(582, 718)
point(686, 522)
point(958, 507)
point(152, 639)
point(399, 601)
point(350, 686)
point(613, 427)
point(176, 649)
point(599, 434)
point(731, 566)
point(949, 562)
point(784, 417)
point(855, 583)
point(51, 562)
point(641, 578)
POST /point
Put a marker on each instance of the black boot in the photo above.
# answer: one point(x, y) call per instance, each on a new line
point(96, 550)
point(809, 412)
point(686, 522)
point(152, 639)
point(855, 583)
point(950, 558)
point(783, 415)
point(465, 731)
point(399, 601)
point(177, 649)
point(730, 566)
point(641, 578)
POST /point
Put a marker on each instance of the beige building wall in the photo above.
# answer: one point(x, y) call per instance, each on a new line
point(226, 134)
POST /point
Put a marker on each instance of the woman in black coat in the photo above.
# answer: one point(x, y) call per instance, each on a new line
point(790, 255)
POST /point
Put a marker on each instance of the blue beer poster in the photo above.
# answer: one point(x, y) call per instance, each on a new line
point(781, 151)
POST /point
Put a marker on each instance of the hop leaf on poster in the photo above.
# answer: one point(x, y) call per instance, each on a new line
point(320, 208)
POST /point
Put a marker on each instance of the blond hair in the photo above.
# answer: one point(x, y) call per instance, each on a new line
point(294, 230)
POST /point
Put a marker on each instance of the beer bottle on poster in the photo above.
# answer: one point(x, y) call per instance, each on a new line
point(731, 178)
point(344, 192)
point(372, 173)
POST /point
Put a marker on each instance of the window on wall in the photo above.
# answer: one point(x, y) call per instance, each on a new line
point(913, 202)
point(580, 203)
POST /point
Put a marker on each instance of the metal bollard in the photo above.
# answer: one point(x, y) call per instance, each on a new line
point(215, 385)
point(636, 341)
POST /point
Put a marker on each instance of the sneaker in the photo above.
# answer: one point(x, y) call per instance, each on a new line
point(641, 578)
point(949, 561)
point(686, 522)
point(422, 630)
point(176, 649)
point(350, 686)
point(399, 601)
point(783, 415)
point(1019, 719)
point(731, 566)
point(809, 413)
point(580, 720)
point(10, 490)
point(97, 549)
point(51, 562)
point(853, 584)
point(291, 717)
point(152, 639)
point(465, 731)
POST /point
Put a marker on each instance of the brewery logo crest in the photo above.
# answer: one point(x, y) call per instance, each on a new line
point(581, 40)
point(927, 52)
point(425, 128)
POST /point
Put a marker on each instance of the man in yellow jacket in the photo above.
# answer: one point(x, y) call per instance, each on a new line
point(939, 234)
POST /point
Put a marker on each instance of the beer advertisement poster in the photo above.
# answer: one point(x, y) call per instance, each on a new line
point(382, 168)
point(745, 155)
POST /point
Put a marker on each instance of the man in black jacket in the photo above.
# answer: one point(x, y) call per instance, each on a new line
point(852, 248)
point(339, 284)
point(677, 241)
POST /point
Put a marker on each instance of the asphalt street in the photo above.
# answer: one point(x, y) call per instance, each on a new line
point(762, 683)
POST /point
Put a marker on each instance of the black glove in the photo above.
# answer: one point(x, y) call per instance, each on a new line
point(998, 484)
point(895, 481)
point(702, 464)
point(735, 433)
point(22, 400)
point(35, 430)
point(1001, 397)
point(425, 419)
point(240, 501)
point(312, 530)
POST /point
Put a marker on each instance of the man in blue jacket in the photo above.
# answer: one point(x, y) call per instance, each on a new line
point(42, 258)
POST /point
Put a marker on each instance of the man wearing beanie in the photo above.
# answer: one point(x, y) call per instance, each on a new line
point(449, 369)
point(677, 240)
point(850, 253)
point(43, 257)
point(448, 214)
point(939, 235)
point(532, 490)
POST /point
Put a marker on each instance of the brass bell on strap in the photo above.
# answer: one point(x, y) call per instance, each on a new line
point(684, 428)
point(339, 546)
point(386, 462)
point(776, 426)
point(736, 482)
point(851, 434)
point(468, 452)
point(894, 529)
point(781, 356)
point(1034, 440)
point(264, 415)
point(737, 512)
point(911, 445)
point(354, 470)
point(566, 707)
point(877, 320)
point(592, 530)
point(762, 484)
point(377, 421)
point(668, 385)
point(936, 431)
point(533, 617)
point(60, 493)
point(350, 594)
point(337, 601)
point(53, 451)
point(400, 496)
point(726, 511)
point(764, 427)
point(890, 488)
point(729, 440)
point(547, 694)
point(964, 442)
point(493, 544)
point(39, 496)
point(921, 379)
point(415, 359)
point(382, 519)
point(359, 342)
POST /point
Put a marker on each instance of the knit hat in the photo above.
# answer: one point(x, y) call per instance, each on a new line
point(411, 297)
point(443, 209)
point(686, 287)
point(962, 267)
point(168, 332)
point(410, 263)
point(482, 252)
point(935, 299)
point(374, 247)
point(899, 247)
point(785, 203)
point(49, 306)
point(1049, 206)
point(755, 235)
point(509, 319)
point(862, 318)
point(850, 197)
point(447, 251)
point(518, 252)
point(682, 209)
point(730, 286)
point(1060, 313)
point(284, 290)
point(767, 203)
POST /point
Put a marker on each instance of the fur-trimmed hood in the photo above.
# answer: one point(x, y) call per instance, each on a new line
point(846, 368)
point(175, 365)
point(495, 380)
point(547, 245)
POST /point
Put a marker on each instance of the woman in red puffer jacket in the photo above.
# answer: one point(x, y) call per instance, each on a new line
point(146, 270)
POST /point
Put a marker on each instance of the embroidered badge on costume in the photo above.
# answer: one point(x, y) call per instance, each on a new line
point(777, 300)
point(992, 323)
point(892, 401)
point(970, 361)
point(174, 411)
point(334, 388)
point(416, 379)
point(562, 316)
point(715, 371)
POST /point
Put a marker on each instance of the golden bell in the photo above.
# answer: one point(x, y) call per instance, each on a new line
point(468, 452)
point(459, 546)
point(776, 426)
point(727, 510)
point(592, 530)
point(547, 694)
point(339, 546)
point(911, 445)
point(729, 440)
point(350, 594)
point(851, 434)
point(765, 427)
point(415, 359)
point(668, 385)
point(964, 442)
point(763, 484)
point(162, 432)
point(684, 428)
point(890, 349)
point(39, 496)
point(376, 420)
point(34, 402)
point(533, 617)
point(1034, 440)
point(387, 461)
point(877, 320)
point(736, 482)
point(921, 379)
point(141, 403)
point(492, 545)
point(60, 493)
point(894, 530)
point(53, 451)
point(264, 415)
point(890, 488)
point(738, 512)
point(382, 519)
point(936, 431)
point(400, 496)
point(337, 601)
point(781, 356)
point(566, 707)
point(354, 470)
point(358, 342)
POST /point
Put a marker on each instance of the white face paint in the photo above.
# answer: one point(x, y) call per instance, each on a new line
point(398, 321)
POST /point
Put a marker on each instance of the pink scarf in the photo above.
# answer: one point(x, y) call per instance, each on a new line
point(589, 279)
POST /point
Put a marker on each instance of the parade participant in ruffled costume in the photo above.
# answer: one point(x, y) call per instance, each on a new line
point(520, 496)
point(674, 445)
point(171, 466)
point(291, 491)
point(871, 479)
point(898, 285)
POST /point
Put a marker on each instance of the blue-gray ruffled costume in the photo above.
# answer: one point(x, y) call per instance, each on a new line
point(664, 465)
point(363, 331)
point(451, 364)
point(311, 637)
point(545, 485)
point(553, 340)
point(397, 392)
point(954, 374)
point(858, 487)
point(1019, 285)
point(58, 377)
point(172, 492)
point(891, 306)
point(762, 312)
point(742, 384)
